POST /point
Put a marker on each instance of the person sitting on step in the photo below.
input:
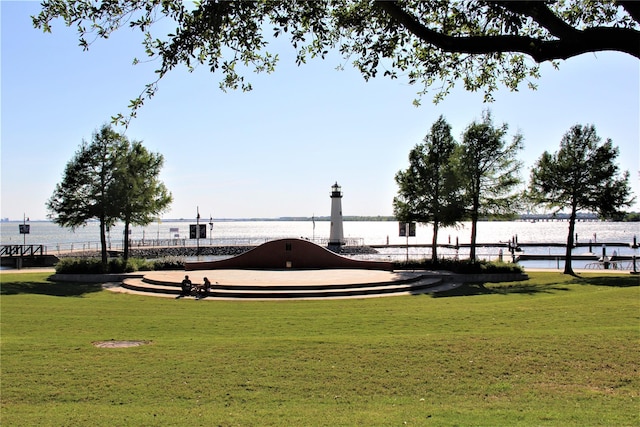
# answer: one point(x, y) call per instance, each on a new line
point(187, 286)
point(204, 289)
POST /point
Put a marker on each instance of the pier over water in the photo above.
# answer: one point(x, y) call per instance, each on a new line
point(19, 256)
point(580, 217)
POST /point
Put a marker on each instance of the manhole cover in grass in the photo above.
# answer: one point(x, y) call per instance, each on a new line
point(119, 344)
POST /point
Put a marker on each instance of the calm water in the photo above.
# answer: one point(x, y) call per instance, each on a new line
point(365, 232)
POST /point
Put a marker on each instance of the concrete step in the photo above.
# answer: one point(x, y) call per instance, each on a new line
point(269, 291)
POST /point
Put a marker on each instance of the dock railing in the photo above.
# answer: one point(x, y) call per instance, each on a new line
point(22, 250)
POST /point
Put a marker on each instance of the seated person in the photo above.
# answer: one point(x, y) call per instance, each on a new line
point(204, 289)
point(187, 286)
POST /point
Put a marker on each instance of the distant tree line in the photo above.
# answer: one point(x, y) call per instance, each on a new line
point(623, 217)
point(344, 218)
point(631, 217)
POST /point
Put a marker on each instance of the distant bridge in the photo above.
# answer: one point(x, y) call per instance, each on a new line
point(558, 217)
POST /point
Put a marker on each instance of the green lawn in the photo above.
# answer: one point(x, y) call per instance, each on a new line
point(554, 350)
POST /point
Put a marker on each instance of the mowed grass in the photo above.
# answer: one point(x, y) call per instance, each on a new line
point(554, 350)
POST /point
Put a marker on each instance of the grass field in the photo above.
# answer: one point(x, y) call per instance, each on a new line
point(552, 351)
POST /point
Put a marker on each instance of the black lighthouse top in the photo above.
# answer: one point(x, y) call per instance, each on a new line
point(336, 190)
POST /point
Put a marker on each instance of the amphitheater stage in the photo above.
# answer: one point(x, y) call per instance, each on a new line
point(234, 284)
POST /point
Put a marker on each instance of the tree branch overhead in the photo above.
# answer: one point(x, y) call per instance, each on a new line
point(569, 41)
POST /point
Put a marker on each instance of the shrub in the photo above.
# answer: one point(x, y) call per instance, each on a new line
point(79, 266)
point(466, 266)
point(94, 265)
point(116, 265)
point(139, 264)
point(168, 263)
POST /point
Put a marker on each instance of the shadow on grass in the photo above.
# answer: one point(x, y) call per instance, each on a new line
point(613, 281)
point(471, 289)
point(56, 289)
point(531, 287)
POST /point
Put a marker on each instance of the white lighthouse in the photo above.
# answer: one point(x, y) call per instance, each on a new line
point(336, 237)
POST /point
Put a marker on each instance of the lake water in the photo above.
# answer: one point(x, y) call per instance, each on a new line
point(360, 232)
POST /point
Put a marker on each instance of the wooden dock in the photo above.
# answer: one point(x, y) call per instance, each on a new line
point(508, 245)
point(19, 256)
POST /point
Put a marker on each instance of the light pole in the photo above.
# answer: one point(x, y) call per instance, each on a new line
point(210, 230)
point(25, 229)
point(198, 231)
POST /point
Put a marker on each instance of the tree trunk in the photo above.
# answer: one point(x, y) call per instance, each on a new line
point(434, 243)
point(567, 258)
point(474, 221)
point(472, 249)
point(125, 255)
point(103, 244)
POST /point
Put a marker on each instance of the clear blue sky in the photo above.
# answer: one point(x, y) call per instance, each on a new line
point(277, 150)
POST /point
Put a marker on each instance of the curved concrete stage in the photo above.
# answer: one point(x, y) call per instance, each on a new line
point(291, 284)
point(289, 254)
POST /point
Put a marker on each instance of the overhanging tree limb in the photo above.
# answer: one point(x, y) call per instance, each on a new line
point(582, 41)
point(541, 13)
point(632, 8)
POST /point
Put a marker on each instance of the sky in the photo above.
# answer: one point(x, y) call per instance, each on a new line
point(277, 150)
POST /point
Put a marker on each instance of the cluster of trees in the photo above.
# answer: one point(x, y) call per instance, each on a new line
point(110, 179)
point(448, 182)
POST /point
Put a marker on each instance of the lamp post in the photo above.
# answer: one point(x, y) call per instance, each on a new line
point(25, 229)
point(198, 231)
point(210, 230)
